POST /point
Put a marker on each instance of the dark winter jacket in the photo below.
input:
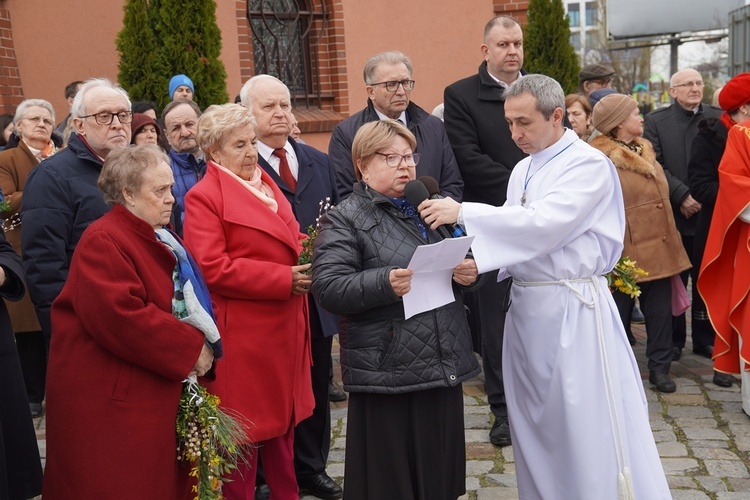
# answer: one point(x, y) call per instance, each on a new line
point(361, 241)
point(703, 174)
point(60, 200)
point(481, 140)
point(436, 160)
point(671, 130)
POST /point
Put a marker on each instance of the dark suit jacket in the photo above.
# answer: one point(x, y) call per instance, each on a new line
point(480, 137)
point(671, 130)
point(315, 182)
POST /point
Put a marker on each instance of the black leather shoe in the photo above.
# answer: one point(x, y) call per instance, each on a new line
point(36, 410)
point(723, 379)
point(707, 351)
point(676, 353)
point(320, 485)
point(500, 432)
point(335, 394)
point(662, 382)
point(262, 492)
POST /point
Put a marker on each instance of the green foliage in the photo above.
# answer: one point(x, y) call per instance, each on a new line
point(547, 48)
point(162, 38)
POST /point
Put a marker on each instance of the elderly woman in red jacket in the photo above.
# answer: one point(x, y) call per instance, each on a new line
point(243, 233)
point(118, 354)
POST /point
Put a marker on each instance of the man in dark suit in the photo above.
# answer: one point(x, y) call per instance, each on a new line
point(486, 155)
point(305, 177)
point(671, 130)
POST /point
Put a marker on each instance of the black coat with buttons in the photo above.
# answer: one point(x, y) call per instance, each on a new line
point(361, 241)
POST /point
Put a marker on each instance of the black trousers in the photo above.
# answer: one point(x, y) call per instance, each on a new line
point(32, 352)
point(656, 305)
point(702, 331)
point(487, 324)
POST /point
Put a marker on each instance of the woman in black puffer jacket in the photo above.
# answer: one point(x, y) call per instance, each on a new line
point(405, 430)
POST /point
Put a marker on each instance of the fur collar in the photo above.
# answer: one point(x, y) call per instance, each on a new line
point(625, 159)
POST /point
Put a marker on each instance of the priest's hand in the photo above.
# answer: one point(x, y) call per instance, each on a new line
point(439, 212)
point(466, 272)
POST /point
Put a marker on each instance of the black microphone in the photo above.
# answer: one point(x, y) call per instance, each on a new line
point(433, 189)
point(415, 193)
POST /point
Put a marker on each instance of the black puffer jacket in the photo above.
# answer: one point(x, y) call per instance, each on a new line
point(361, 241)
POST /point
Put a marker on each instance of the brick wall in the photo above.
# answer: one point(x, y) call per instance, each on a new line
point(513, 8)
point(11, 91)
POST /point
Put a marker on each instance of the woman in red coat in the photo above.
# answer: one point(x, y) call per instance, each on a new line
point(242, 232)
point(118, 354)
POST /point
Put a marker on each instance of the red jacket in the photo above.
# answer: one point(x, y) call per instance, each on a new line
point(724, 280)
point(117, 360)
point(246, 252)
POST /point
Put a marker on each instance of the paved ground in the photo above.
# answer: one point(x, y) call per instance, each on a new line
point(702, 435)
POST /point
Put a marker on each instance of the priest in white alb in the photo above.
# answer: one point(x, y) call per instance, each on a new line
point(579, 415)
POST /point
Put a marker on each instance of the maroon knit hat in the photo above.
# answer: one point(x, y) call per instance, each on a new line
point(140, 120)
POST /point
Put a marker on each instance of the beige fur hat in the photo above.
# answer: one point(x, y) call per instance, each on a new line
point(612, 111)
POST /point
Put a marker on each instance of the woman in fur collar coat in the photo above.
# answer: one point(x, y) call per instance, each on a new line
point(651, 237)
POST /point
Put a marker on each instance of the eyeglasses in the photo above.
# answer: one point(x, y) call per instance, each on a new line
point(106, 118)
point(393, 160)
point(689, 84)
point(392, 86)
point(36, 119)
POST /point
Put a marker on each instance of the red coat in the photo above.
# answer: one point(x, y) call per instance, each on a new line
point(117, 360)
point(724, 280)
point(246, 252)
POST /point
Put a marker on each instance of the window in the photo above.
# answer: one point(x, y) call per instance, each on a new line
point(591, 14)
point(574, 13)
point(285, 34)
point(575, 41)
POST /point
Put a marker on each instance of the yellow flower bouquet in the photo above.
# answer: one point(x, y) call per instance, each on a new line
point(624, 277)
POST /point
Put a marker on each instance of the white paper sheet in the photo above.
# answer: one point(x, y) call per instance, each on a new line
point(431, 285)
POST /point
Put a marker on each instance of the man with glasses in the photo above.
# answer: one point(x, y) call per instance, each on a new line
point(389, 82)
point(594, 77)
point(61, 197)
point(671, 130)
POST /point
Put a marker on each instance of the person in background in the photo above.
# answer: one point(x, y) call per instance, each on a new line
point(180, 119)
point(594, 77)
point(474, 116)
point(569, 371)
point(20, 465)
point(724, 280)
point(651, 237)
point(181, 87)
point(703, 170)
point(34, 121)
point(148, 108)
point(123, 360)
point(405, 424)
point(71, 90)
point(244, 236)
point(389, 82)
point(306, 179)
point(671, 130)
point(579, 114)
point(61, 198)
point(7, 128)
point(295, 131)
point(145, 130)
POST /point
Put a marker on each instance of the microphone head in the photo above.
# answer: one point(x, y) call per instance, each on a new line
point(415, 192)
point(431, 184)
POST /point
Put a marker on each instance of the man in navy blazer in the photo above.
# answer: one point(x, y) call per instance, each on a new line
point(303, 174)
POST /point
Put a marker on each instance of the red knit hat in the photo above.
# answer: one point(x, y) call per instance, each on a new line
point(139, 121)
point(735, 93)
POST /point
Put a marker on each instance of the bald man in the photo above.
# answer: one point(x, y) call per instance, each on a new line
point(671, 130)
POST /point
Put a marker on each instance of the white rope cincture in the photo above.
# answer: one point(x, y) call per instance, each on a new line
point(624, 478)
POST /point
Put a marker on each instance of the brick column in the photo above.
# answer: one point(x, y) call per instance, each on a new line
point(512, 8)
point(11, 90)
